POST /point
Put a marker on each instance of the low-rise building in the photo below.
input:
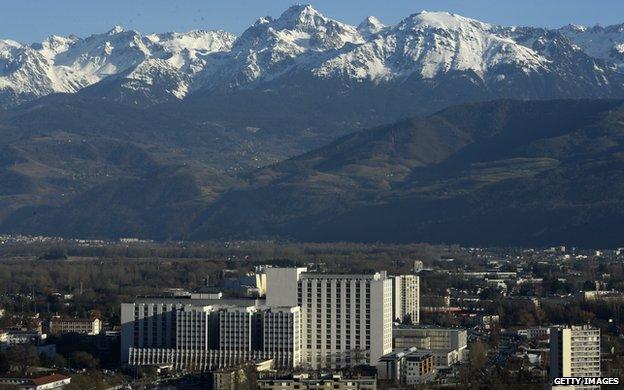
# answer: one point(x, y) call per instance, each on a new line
point(439, 338)
point(16, 337)
point(239, 377)
point(406, 367)
point(404, 342)
point(90, 326)
point(33, 382)
point(535, 332)
point(445, 358)
point(321, 382)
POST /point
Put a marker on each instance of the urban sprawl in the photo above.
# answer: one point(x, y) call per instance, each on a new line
point(432, 317)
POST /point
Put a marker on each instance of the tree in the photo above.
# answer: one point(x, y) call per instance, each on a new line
point(55, 253)
point(5, 365)
point(589, 285)
point(477, 355)
point(58, 361)
point(23, 356)
point(83, 359)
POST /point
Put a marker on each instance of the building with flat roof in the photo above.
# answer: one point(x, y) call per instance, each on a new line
point(16, 337)
point(406, 367)
point(308, 319)
point(186, 335)
point(60, 325)
point(439, 337)
point(35, 382)
point(575, 352)
point(346, 319)
point(406, 299)
point(534, 332)
point(320, 382)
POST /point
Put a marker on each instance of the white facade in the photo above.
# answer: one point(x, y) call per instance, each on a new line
point(575, 352)
point(207, 337)
point(317, 320)
point(235, 328)
point(306, 382)
point(281, 286)
point(410, 367)
point(60, 325)
point(281, 337)
point(535, 332)
point(347, 319)
point(406, 298)
point(192, 328)
point(439, 338)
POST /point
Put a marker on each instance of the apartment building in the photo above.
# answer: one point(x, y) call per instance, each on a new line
point(323, 382)
point(187, 334)
point(406, 299)
point(90, 326)
point(575, 352)
point(439, 338)
point(406, 367)
point(346, 319)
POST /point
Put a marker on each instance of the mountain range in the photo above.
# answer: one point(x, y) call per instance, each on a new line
point(302, 42)
point(440, 128)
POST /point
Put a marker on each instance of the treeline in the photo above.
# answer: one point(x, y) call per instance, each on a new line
point(36, 277)
point(248, 250)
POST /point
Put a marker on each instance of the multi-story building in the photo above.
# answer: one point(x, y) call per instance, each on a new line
point(346, 319)
point(34, 381)
point(407, 367)
point(239, 377)
point(406, 298)
point(237, 328)
point(575, 352)
point(399, 342)
point(307, 382)
point(446, 345)
point(439, 338)
point(193, 328)
point(188, 334)
point(90, 326)
point(535, 332)
point(319, 320)
point(281, 335)
point(16, 337)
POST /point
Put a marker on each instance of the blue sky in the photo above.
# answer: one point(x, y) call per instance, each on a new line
point(32, 20)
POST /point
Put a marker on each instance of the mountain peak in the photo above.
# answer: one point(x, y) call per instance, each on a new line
point(575, 28)
point(115, 30)
point(441, 20)
point(301, 15)
point(371, 25)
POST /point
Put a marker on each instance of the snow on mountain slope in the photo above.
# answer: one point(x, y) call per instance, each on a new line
point(26, 73)
point(272, 47)
point(370, 26)
point(427, 44)
point(68, 64)
point(606, 43)
point(430, 43)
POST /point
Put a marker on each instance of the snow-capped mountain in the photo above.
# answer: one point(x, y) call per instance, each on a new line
point(428, 44)
point(298, 38)
point(69, 64)
point(606, 43)
point(131, 67)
